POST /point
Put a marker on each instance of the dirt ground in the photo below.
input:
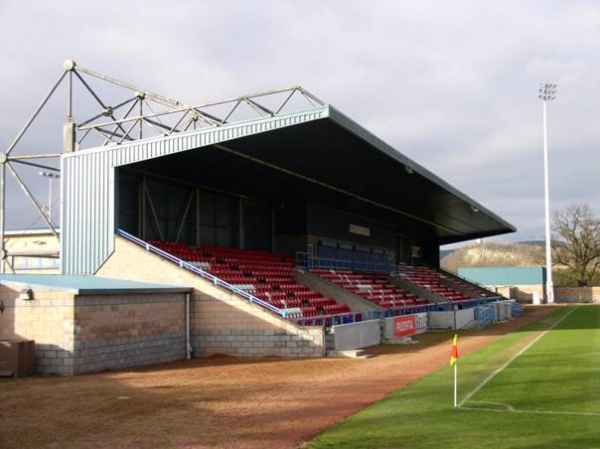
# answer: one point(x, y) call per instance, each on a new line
point(221, 402)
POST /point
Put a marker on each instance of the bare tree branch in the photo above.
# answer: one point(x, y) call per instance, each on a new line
point(577, 244)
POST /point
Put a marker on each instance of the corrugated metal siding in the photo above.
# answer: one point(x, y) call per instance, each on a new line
point(88, 217)
point(88, 185)
point(507, 276)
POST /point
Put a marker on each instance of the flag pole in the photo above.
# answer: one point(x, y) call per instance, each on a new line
point(454, 361)
point(455, 383)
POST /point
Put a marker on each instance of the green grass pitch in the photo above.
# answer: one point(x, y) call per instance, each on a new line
point(538, 387)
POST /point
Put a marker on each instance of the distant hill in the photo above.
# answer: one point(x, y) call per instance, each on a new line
point(445, 252)
point(533, 243)
point(489, 254)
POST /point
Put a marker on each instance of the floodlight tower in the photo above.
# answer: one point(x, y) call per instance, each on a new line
point(547, 93)
point(50, 176)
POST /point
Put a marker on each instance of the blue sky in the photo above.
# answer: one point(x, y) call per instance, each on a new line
point(452, 85)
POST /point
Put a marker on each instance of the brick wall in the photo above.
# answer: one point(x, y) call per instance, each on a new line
point(577, 294)
point(78, 334)
point(226, 325)
point(119, 331)
point(524, 293)
point(521, 293)
point(222, 323)
point(47, 319)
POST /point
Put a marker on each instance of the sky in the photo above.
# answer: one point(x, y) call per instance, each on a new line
point(452, 85)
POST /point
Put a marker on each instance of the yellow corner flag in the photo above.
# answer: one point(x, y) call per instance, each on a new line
point(454, 353)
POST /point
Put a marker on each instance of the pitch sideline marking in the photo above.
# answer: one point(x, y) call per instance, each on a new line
point(510, 409)
point(509, 361)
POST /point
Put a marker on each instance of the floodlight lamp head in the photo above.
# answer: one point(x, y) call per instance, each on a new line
point(547, 92)
point(47, 174)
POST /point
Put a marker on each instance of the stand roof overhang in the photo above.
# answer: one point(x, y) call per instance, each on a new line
point(331, 160)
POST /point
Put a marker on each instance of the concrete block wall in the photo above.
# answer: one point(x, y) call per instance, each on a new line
point(48, 319)
point(524, 293)
point(577, 294)
point(78, 334)
point(8, 303)
point(521, 293)
point(120, 331)
point(222, 323)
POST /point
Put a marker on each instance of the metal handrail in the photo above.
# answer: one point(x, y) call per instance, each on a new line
point(349, 317)
point(308, 261)
point(466, 279)
point(188, 266)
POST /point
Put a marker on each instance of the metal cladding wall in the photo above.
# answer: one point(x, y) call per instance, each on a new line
point(88, 185)
point(496, 276)
point(87, 211)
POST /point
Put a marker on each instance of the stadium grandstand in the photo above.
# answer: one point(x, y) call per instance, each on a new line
point(265, 225)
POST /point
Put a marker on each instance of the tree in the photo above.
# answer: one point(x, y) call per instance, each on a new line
point(578, 243)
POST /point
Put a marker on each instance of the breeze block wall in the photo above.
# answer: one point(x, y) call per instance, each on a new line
point(221, 322)
point(77, 334)
point(577, 294)
point(48, 319)
point(121, 331)
point(521, 293)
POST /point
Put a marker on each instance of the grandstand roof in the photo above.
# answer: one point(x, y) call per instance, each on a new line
point(313, 153)
point(330, 159)
point(276, 146)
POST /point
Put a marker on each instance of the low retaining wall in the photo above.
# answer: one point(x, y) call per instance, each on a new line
point(357, 335)
point(400, 327)
point(528, 293)
point(577, 294)
point(459, 319)
point(521, 293)
point(371, 333)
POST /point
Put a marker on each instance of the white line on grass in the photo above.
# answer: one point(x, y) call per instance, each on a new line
point(509, 361)
point(510, 409)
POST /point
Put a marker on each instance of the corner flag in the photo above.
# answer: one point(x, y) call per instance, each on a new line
point(453, 359)
point(454, 353)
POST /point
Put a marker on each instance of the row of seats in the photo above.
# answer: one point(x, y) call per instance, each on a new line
point(475, 290)
point(429, 279)
point(372, 287)
point(377, 289)
point(265, 276)
point(271, 279)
